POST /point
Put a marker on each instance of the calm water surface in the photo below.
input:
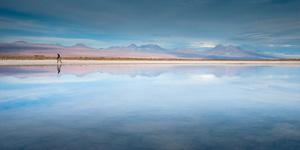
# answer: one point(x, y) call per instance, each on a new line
point(149, 107)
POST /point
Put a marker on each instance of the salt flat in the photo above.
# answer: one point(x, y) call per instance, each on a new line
point(124, 62)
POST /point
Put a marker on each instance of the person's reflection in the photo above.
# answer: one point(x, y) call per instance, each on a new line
point(58, 69)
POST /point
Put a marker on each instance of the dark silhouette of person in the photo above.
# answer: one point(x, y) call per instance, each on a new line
point(58, 69)
point(58, 58)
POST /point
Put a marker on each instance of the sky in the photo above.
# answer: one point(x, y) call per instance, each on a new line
point(271, 26)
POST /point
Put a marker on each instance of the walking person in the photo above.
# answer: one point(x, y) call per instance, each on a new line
point(58, 58)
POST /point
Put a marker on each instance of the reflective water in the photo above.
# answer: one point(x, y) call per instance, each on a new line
point(149, 107)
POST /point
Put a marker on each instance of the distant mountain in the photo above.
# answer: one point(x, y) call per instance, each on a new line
point(20, 42)
point(22, 48)
point(80, 45)
point(151, 47)
point(133, 48)
point(80, 50)
point(231, 52)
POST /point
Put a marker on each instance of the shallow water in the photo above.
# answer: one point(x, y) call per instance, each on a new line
point(149, 107)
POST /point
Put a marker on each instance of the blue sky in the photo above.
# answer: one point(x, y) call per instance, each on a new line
point(263, 25)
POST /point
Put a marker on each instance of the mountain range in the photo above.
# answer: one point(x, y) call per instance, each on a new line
point(22, 48)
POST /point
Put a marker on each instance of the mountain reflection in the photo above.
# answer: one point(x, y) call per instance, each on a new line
point(130, 70)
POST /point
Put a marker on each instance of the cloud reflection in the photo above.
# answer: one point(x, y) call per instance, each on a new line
point(207, 77)
point(150, 107)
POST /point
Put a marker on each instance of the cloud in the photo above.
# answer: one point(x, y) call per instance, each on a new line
point(165, 35)
point(282, 31)
point(63, 41)
point(289, 45)
point(31, 25)
point(201, 44)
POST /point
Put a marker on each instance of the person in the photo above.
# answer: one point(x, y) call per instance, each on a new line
point(58, 58)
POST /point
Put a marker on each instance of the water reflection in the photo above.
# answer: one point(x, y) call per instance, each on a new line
point(58, 68)
point(150, 107)
point(130, 70)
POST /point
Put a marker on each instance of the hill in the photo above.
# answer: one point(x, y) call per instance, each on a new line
point(21, 48)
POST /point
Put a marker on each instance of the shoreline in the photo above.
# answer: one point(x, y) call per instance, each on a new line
point(148, 62)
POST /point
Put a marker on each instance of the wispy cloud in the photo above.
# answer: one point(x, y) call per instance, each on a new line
point(63, 41)
point(202, 44)
point(281, 32)
point(31, 25)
